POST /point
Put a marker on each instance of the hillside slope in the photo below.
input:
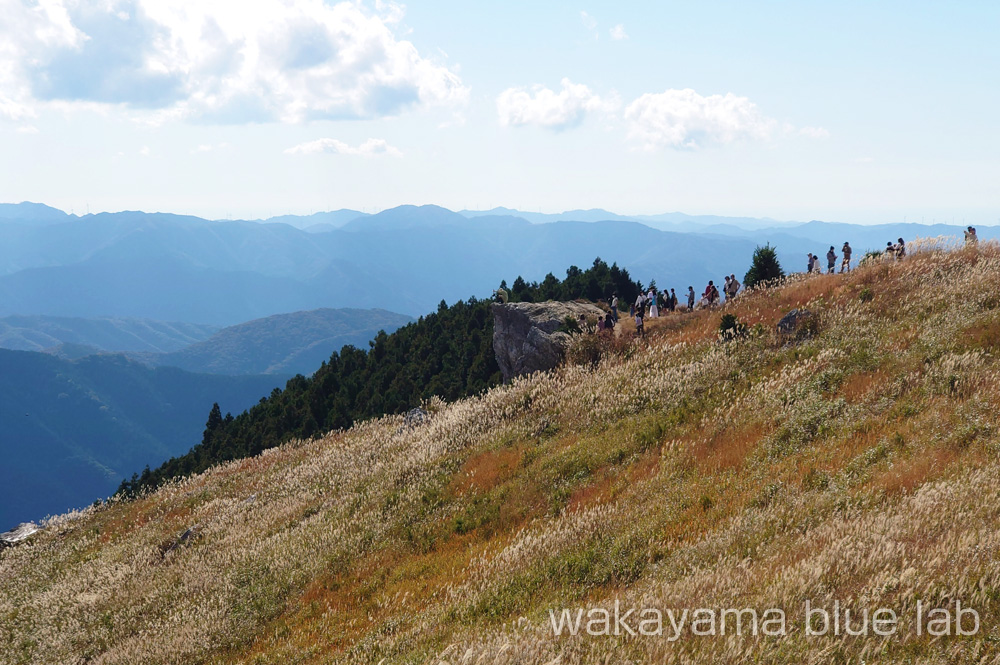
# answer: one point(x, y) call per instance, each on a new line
point(38, 333)
point(69, 431)
point(857, 464)
point(288, 344)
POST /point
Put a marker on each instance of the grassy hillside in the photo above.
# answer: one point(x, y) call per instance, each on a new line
point(858, 464)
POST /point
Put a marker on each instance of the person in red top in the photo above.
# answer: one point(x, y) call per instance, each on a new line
point(711, 294)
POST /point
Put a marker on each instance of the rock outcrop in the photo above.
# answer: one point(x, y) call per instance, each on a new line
point(798, 322)
point(526, 336)
point(18, 535)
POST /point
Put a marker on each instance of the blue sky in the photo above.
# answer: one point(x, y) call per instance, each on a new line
point(843, 111)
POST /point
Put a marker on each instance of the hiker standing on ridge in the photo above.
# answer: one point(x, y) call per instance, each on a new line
point(812, 264)
point(673, 301)
point(725, 289)
point(846, 262)
point(654, 311)
point(831, 260)
point(734, 287)
point(614, 307)
point(690, 298)
point(970, 236)
point(640, 304)
point(900, 249)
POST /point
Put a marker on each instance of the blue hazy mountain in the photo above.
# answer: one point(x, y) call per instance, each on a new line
point(284, 344)
point(333, 219)
point(38, 333)
point(407, 217)
point(71, 430)
point(407, 259)
point(33, 213)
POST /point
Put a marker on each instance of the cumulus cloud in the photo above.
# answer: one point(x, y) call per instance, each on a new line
point(683, 119)
point(618, 32)
point(546, 108)
point(284, 60)
point(369, 148)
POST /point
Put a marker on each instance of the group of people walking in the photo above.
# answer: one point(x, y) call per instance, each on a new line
point(814, 265)
point(653, 303)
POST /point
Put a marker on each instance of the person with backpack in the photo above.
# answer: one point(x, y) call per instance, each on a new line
point(846, 261)
point(831, 260)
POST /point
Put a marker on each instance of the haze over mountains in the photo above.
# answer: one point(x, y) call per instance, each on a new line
point(76, 285)
point(71, 430)
point(407, 259)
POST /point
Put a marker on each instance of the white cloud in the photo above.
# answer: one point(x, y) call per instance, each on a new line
point(814, 132)
point(618, 32)
point(369, 148)
point(685, 119)
point(547, 108)
point(27, 129)
point(219, 60)
point(589, 22)
point(864, 160)
point(144, 151)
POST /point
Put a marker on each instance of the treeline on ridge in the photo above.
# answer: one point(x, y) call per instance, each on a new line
point(448, 353)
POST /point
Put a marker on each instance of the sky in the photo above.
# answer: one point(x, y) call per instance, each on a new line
point(864, 112)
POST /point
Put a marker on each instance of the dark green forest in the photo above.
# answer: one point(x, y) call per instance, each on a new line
point(448, 353)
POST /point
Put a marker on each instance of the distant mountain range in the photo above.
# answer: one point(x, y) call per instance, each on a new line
point(407, 259)
point(71, 430)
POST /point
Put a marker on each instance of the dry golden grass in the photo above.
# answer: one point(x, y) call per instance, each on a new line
point(859, 465)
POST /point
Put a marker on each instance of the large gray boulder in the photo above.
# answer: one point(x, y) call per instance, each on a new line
point(526, 336)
